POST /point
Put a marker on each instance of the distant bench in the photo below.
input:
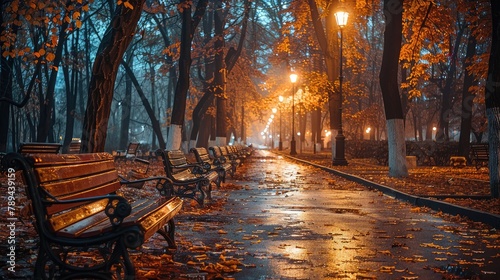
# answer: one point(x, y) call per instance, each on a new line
point(130, 153)
point(479, 154)
point(213, 162)
point(77, 205)
point(188, 180)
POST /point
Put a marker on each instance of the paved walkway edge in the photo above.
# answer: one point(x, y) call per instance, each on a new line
point(475, 215)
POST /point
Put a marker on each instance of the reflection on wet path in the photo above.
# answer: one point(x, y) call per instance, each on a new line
point(292, 221)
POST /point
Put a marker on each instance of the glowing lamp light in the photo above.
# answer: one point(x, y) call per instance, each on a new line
point(341, 18)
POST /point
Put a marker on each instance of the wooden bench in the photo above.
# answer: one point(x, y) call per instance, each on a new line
point(479, 154)
point(230, 155)
point(189, 180)
point(74, 147)
point(130, 153)
point(458, 161)
point(221, 160)
point(241, 151)
point(203, 158)
point(39, 148)
point(79, 212)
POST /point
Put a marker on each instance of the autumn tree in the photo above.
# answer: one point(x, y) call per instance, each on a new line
point(393, 11)
point(189, 24)
point(329, 47)
point(216, 72)
point(50, 24)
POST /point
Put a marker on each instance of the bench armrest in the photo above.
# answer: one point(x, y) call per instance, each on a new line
point(196, 168)
point(163, 184)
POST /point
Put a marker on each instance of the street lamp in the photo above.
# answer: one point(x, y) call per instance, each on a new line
point(339, 159)
point(280, 147)
point(293, 79)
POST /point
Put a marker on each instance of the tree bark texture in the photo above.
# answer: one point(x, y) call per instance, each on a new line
point(493, 101)
point(147, 106)
point(220, 74)
point(467, 100)
point(71, 81)
point(109, 55)
point(393, 11)
point(189, 24)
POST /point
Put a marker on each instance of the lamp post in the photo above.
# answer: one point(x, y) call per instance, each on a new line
point(274, 110)
point(280, 145)
point(293, 79)
point(339, 159)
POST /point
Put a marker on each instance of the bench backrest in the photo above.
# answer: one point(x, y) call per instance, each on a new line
point(201, 154)
point(39, 148)
point(233, 150)
point(68, 176)
point(176, 165)
point(132, 149)
point(74, 147)
point(225, 151)
point(480, 151)
point(216, 152)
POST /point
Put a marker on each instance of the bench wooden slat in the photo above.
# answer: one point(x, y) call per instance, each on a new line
point(69, 218)
point(152, 221)
point(92, 192)
point(67, 171)
point(149, 214)
point(39, 148)
point(79, 184)
point(480, 154)
point(95, 223)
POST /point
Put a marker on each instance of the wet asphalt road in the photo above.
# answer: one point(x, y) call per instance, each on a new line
point(293, 221)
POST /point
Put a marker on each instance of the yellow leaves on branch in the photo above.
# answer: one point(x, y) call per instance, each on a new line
point(126, 4)
point(184, 5)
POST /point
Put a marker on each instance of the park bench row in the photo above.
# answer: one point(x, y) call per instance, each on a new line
point(77, 203)
point(194, 180)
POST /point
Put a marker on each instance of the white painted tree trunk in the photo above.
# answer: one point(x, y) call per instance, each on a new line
point(332, 141)
point(493, 115)
point(174, 137)
point(397, 148)
point(221, 141)
point(192, 144)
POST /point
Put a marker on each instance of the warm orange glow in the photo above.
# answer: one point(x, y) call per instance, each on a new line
point(341, 18)
point(293, 78)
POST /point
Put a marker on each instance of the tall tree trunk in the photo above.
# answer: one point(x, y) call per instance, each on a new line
point(447, 91)
point(71, 82)
point(393, 11)
point(152, 79)
point(230, 61)
point(189, 24)
point(45, 124)
point(109, 55)
point(467, 99)
point(493, 100)
point(126, 102)
point(329, 46)
point(208, 96)
point(220, 75)
point(145, 102)
point(6, 74)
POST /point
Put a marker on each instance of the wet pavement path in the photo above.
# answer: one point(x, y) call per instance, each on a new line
point(279, 219)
